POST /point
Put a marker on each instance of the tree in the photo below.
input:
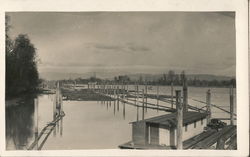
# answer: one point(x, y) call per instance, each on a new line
point(21, 68)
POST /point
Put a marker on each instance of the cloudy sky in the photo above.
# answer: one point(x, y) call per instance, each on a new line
point(131, 42)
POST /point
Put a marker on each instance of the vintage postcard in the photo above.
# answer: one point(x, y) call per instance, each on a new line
point(125, 82)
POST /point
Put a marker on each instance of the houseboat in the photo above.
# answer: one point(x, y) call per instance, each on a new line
point(160, 132)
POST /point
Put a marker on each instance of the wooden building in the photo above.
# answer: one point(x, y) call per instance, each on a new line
point(161, 130)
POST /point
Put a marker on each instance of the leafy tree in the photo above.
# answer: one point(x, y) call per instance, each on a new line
point(21, 66)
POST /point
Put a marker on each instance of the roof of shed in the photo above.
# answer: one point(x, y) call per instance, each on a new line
point(169, 120)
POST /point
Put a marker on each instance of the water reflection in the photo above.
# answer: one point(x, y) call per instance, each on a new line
point(124, 112)
point(82, 129)
point(19, 124)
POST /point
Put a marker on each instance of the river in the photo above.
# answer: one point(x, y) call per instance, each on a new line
point(91, 124)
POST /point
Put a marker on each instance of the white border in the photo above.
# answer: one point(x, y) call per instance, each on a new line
point(239, 6)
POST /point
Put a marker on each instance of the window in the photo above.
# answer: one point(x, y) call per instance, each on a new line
point(195, 124)
point(201, 121)
point(186, 128)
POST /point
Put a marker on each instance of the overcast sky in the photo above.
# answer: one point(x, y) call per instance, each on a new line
point(134, 42)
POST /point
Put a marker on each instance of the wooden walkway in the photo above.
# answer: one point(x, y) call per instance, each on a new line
point(44, 134)
point(149, 105)
point(208, 138)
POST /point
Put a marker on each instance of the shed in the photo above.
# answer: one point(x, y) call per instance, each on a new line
point(161, 130)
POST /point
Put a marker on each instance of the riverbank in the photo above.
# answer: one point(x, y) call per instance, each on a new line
point(20, 99)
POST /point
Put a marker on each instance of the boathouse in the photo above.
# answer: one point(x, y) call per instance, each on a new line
point(161, 130)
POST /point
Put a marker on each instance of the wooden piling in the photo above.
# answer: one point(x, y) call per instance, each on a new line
point(185, 95)
point(146, 97)
point(137, 93)
point(115, 94)
point(124, 111)
point(179, 118)
point(127, 93)
point(137, 96)
point(172, 94)
point(157, 97)
point(208, 102)
point(231, 106)
point(118, 96)
point(142, 104)
point(110, 95)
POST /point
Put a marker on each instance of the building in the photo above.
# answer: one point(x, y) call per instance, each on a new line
point(161, 130)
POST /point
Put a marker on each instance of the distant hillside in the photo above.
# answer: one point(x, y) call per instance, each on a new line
point(111, 75)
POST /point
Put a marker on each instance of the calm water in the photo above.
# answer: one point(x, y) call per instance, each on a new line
point(90, 124)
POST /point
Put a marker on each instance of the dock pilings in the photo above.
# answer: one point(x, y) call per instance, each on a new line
point(208, 103)
point(179, 107)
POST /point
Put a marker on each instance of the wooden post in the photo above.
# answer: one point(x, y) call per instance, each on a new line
point(118, 96)
point(157, 97)
point(146, 92)
point(110, 95)
point(115, 94)
point(127, 92)
point(142, 104)
point(135, 94)
point(179, 118)
point(172, 94)
point(208, 101)
point(185, 95)
point(231, 106)
point(124, 111)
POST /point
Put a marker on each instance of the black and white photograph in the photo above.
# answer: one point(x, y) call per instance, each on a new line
point(123, 81)
point(128, 80)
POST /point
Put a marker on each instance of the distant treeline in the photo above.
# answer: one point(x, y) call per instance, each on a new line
point(166, 79)
point(21, 66)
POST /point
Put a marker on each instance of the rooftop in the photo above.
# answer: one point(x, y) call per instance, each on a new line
point(169, 120)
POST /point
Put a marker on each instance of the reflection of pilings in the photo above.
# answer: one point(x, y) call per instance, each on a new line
point(117, 97)
point(36, 120)
point(124, 110)
point(61, 127)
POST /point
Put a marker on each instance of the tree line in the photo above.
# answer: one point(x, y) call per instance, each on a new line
point(167, 79)
point(21, 64)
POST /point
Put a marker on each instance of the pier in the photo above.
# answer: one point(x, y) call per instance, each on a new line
point(184, 126)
